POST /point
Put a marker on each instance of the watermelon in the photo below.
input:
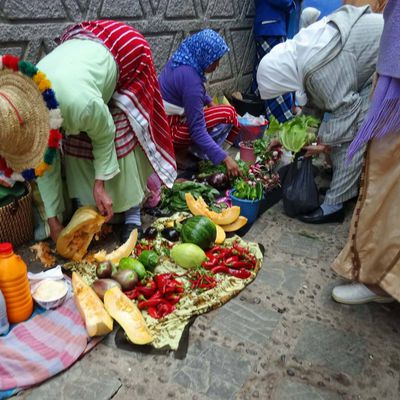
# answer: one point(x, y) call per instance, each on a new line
point(200, 231)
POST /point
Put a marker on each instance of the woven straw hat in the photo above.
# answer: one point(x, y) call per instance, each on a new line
point(24, 121)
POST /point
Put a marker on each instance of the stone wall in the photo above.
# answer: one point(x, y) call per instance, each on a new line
point(28, 28)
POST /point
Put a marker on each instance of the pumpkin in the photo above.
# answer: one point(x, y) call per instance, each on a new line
point(123, 251)
point(199, 207)
point(220, 235)
point(199, 230)
point(75, 238)
point(97, 320)
point(239, 223)
point(125, 312)
point(188, 255)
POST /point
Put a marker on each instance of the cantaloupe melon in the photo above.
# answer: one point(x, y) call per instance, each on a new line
point(124, 250)
point(199, 207)
point(75, 238)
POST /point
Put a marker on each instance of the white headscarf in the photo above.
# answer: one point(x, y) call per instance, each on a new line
point(308, 16)
point(282, 69)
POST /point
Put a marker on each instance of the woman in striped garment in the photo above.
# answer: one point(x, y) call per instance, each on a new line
point(196, 123)
point(330, 65)
point(116, 132)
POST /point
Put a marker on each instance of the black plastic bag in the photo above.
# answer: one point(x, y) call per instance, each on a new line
point(299, 191)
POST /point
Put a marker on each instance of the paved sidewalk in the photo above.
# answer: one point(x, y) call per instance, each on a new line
point(282, 338)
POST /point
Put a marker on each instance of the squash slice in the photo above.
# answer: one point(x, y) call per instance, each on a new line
point(235, 226)
point(75, 238)
point(125, 312)
point(220, 235)
point(92, 310)
point(199, 207)
point(124, 250)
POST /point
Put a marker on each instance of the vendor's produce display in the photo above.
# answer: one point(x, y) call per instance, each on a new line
point(154, 291)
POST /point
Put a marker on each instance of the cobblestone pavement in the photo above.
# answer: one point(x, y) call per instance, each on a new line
point(282, 338)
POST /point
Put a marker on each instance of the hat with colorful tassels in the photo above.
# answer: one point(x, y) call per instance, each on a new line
point(30, 119)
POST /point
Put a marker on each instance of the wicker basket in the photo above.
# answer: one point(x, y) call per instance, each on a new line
point(16, 220)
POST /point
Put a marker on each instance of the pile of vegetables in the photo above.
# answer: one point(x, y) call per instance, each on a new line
point(248, 189)
point(158, 295)
point(262, 174)
point(236, 261)
point(216, 175)
point(174, 199)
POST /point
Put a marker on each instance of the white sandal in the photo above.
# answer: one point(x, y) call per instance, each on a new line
point(357, 293)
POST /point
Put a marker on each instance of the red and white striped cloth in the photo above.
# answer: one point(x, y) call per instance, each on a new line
point(42, 347)
point(125, 139)
point(137, 92)
point(213, 116)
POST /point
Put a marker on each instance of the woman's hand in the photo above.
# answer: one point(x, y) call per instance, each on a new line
point(102, 199)
point(274, 143)
point(232, 167)
point(55, 228)
point(315, 150)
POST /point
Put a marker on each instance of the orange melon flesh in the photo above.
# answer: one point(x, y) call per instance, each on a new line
point(225, 217)
point(199, 207)
point(125, 312)
point(92, 310)
point(125, 250)
point(239, 223)
point(75, 238)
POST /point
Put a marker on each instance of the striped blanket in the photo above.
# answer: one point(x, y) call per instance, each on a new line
point(41, 347)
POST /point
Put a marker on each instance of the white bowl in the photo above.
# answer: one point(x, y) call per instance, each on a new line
point(56, 299)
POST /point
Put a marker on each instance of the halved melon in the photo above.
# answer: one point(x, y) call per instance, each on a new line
point(124, 250)
point(199, 207)
point(194, 205)
point(75, 238)
point(225, 217)
point(239, 223)
point(125, 312)
point(220, 235)
point(92, 310)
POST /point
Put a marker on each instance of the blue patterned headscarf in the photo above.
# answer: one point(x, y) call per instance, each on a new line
point(200, 50)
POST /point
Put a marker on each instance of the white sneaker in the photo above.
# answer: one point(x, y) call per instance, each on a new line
point(357, 293)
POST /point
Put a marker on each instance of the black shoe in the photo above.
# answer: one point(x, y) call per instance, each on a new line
point(318, 217)
point(126, 231)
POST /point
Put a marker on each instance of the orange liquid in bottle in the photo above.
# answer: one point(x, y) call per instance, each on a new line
point(14, 284)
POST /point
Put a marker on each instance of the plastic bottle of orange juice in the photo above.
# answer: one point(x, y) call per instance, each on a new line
point(15, 285)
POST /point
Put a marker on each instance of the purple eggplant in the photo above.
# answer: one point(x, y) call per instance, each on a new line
point(218, 180)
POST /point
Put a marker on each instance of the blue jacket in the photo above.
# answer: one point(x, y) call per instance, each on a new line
point(272, 17)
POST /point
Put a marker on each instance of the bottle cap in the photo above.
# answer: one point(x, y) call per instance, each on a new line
point(6, 248)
